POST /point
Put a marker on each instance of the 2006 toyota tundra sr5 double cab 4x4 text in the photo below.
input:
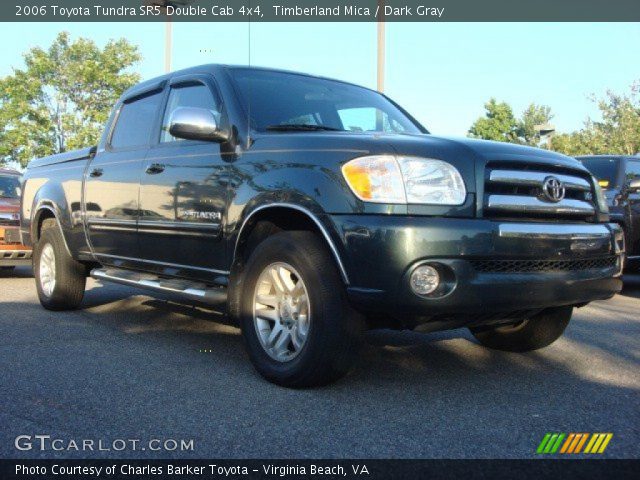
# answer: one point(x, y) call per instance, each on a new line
point(311, 209)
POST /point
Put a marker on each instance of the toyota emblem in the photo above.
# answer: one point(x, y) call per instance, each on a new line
point(553, 189)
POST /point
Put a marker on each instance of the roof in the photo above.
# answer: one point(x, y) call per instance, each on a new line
point(613, 155)
point(213, 67)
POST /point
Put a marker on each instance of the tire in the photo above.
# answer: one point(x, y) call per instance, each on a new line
point(321, 346)
point(536, 332)
point(69, 276)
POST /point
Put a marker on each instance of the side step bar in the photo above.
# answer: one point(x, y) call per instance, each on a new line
point(182, 288)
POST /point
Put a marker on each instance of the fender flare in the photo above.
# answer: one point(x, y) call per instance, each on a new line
point(47, 205)
point(312, 217)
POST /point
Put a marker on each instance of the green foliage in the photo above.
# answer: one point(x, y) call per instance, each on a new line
point(63, 96)
point(617, 133)
point(499, 123)
point(532, 116)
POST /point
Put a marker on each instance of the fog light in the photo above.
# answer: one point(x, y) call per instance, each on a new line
point(425, 280)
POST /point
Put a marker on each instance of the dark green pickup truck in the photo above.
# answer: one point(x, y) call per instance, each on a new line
point(311, 209)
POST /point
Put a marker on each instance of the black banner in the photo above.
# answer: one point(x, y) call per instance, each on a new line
point(319, 10)
point(294, 469)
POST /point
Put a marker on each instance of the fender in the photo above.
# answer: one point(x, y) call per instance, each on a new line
point(325, 233)
point(44, 188)
point(46, 205)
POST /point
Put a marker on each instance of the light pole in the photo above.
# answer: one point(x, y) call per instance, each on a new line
point(381, 46)
point(545, 131)
point(168, 44)
point(168, 28)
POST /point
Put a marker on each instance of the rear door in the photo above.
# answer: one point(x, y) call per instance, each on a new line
point(183, 192)
point(112, 180)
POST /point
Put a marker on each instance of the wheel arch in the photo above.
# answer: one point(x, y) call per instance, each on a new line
point(46, 210)
point(285, 216)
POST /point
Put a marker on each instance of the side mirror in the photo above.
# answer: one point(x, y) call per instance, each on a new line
point(193, 123)
point(634, 185)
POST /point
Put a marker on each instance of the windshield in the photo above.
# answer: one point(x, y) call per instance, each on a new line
point(279, 101)
point(605, 169)
point(9, 187)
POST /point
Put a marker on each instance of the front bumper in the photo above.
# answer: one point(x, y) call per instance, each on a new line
point(548, 264)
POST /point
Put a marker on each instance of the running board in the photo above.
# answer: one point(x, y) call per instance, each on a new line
point(182, 288)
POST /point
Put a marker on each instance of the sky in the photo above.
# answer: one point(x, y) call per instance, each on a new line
point(442, 73)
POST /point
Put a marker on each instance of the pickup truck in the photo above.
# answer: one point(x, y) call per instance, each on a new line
point(310, 209)
point(619, 177)
point(12, 252)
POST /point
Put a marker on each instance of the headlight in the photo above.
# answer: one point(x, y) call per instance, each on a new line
point(600, 198)
point(391, 179)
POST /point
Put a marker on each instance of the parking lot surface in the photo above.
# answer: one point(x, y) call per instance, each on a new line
point(128, 366)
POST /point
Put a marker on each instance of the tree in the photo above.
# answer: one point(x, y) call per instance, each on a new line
point(62, 98)
point(620, 124)
point(532, 116)
point(498, 123)
point(617, 133)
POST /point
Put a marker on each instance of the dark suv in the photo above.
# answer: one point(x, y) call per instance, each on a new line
point(619, 177)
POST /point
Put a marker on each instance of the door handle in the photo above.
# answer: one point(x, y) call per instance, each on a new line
point(96, 172)
point(155, 168)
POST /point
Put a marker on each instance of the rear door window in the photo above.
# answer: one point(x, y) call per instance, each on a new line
point(135, 122)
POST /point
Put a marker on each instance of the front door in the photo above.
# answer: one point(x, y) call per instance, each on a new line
point(113, 179)
point(183, 193)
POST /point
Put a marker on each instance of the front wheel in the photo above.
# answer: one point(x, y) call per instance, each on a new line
point(60, 280)
point(295, 319)
point(533, 333)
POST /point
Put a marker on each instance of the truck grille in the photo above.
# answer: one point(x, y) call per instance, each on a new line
point(515, 190)
point(528, 266)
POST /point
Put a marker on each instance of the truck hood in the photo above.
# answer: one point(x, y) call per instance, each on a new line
point(483, 150)
point(9, 205)
point(467, 155)
point(442, 147)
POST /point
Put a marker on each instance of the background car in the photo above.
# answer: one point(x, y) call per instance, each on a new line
point(619, 177)
point(12, 251)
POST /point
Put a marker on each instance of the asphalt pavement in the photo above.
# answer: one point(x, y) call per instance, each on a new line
point(127, 366)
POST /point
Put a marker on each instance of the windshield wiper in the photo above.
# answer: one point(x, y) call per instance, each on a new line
point(302, 128)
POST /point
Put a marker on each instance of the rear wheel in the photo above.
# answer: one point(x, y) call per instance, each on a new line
point(298, 327)
point(60, 280)
point(533, 333)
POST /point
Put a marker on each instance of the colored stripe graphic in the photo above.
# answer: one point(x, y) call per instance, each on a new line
point(581, 443)
point(573, 443)
point(556, 446)
point(550, 443)
point(543, 443)
point(592, 441)
point(565, 447)
point(606, 441)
